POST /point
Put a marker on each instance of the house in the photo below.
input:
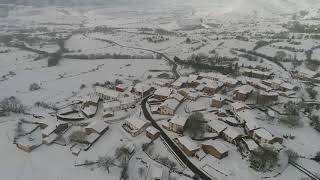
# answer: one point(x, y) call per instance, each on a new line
point(162, 93)
point(242, 93)
point(89, 107)
point(107, 94)
point(262, 136)
point(287, 87)
point(218, 100)
point(215, 148)
point(169, 107)
point(54, 128)
point(306, 74)
point(191, 79)
point(238, 106)
point(142, 89)
point(134, 126)
point(231, 135)
point(247, 146)
point(189, 93)
point(216, 126)
point(177, 124)
point(187, 145)
point(177, 97)
point(256, 73)
point(212, 87)
point(99, 127)
point(29, 142)
point(154, 109)
point(273, 83)
point(121, 87)
point(152, 133)
point(267, 97)
point(180, 82)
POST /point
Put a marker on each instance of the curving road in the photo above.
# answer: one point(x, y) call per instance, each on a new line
point(173, 146)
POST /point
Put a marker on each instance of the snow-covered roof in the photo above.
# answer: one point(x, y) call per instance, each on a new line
point(219, 97)
point(177, 96)
point(200, 154)
point(218, 145)
point(251, 123)
point(182, 79)
point(137, 123)
point(230, 119)
point(107, 92)
point(287, 86)
point(251, 144)
point(164, 91)
point(268, 93)
point(179, 120)
point(217, 125)
point(238, 105)
point(213, 85)
point(98, 126)
point(232, 132)
point(152, 130)
point(263, 133)
point(307, 73)
point(49, 129)
point(192, 78)
point(92, 137)
point(171, 104)
point(245, 89)
point(188, 143)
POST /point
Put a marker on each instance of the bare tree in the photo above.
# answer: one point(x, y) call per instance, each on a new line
point(122, 153)
point(105, 163)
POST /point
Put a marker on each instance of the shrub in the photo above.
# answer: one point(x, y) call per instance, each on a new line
point(34, 87)
point(264, 159)
point(12, 104)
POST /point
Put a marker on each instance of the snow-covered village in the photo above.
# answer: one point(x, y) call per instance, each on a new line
point(160, 90)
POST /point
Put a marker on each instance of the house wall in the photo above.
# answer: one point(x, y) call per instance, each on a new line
point(166, 111)
point(217, 104)
point(212, 151)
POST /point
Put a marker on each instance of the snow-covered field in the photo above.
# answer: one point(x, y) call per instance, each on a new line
point(122, 40)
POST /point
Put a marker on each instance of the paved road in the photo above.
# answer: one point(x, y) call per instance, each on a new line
point(173, 146)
